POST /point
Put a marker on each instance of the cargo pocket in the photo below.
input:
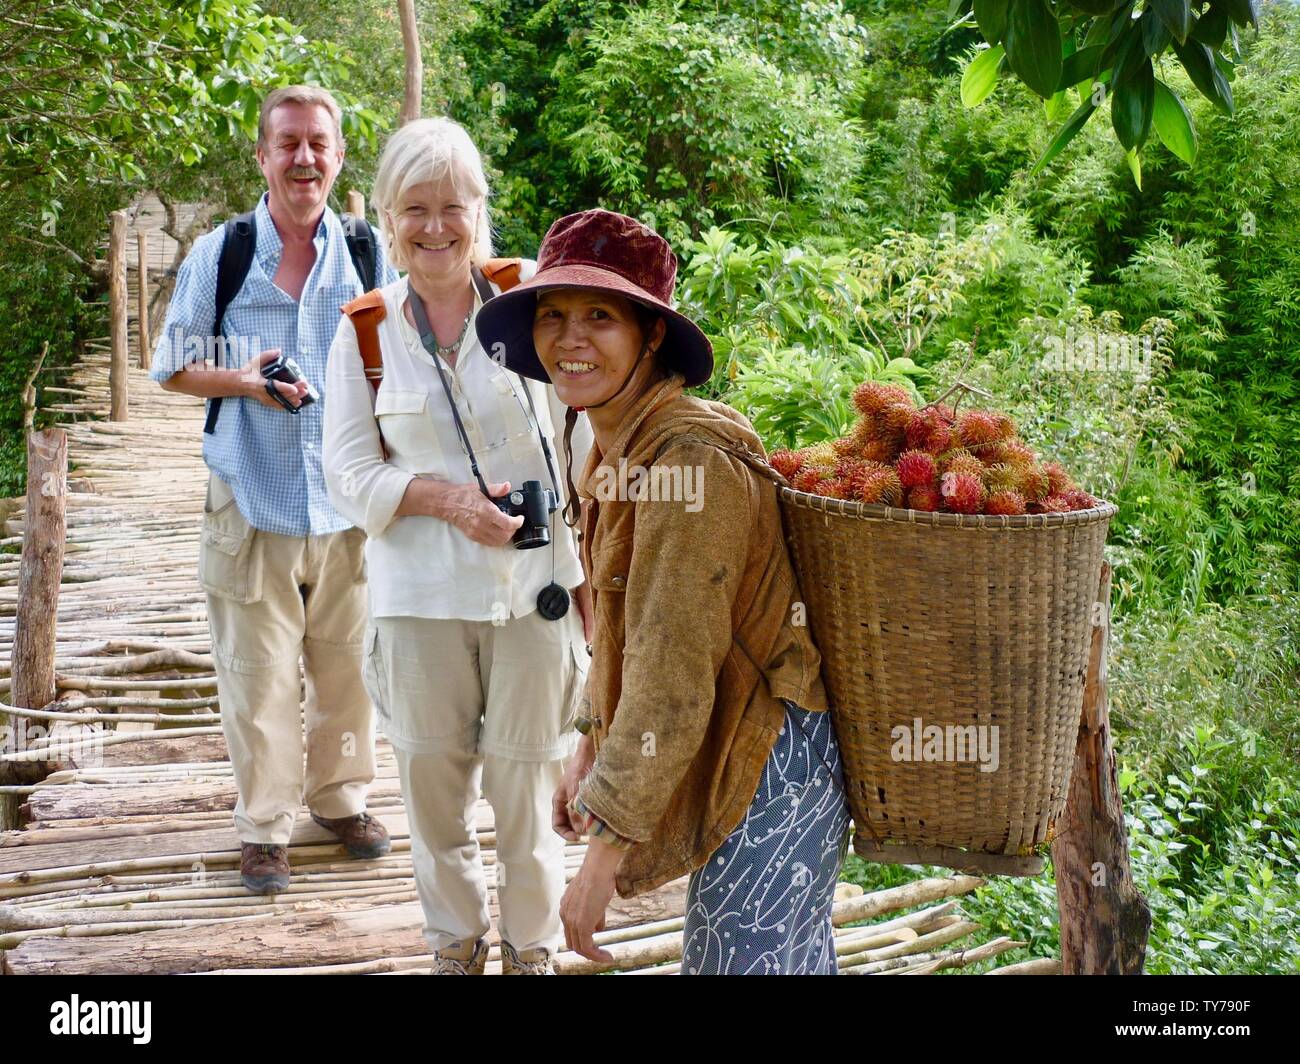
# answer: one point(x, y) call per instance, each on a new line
point(230, 555)
point(575, 695)
point(372, 677)
point(354, 559)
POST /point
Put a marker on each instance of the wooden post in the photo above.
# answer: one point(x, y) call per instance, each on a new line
point(1105, 920)
point(142, 295)
point(117, 367)
point(39, 576)
point(356, 204)
point(411, 98)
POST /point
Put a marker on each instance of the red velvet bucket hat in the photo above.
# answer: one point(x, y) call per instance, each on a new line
point(603, 251)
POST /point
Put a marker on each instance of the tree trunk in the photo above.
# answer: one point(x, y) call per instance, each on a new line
point(142, 295)
point(1104, 919)
point(117, 370)
point(412, 98)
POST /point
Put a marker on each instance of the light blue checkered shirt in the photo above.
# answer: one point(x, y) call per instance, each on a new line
point(270, 458)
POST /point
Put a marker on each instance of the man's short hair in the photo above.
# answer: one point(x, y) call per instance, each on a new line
point(311, 96)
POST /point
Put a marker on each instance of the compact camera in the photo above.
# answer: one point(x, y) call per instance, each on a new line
point(284, 368)
point(535, 504)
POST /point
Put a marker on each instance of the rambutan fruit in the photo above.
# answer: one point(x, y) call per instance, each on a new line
point(925, 497)
point(946, 412)
point(785, 462)
point(871, 397)
point(834, 488)
point(1018, 453)
point(876, 483)
point(820, 455)
point(845, 446)
point(962, 493)
point(883, 451)
point(916, 468)
point(975, 427)
point(895, 417)
point(1001, 477)
point(1079, 499)
point(1055, 504)
point(962, 462)
point(1005, 502)
point(1058, 480)
point(807, 479)
point(1033, 483)
point(847, 466)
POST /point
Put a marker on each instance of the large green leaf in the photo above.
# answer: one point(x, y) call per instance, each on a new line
point(991, 15)
point(981, 76)
point(1033, 42)
point(1173, 123)
point(1176, 15)
point(1065, 134)
point(1079, 67)
point(1132, 103)
point(1242, 12)
point(1199, 63)
point(1211, 28)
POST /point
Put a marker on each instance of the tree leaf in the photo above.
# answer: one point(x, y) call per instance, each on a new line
point(1173, 123)
point(1176, 15)
point(991, 15)
point(1242, 12)
point(1135, 166)
point(1065, 134)
point(1132, 103)
point(1033, 42)
point(1211, 28)
point(981, 76)
point(1199, 63)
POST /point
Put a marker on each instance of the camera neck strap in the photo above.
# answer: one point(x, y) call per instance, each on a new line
point(430, 342)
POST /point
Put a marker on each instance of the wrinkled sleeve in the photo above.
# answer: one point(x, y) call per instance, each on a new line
point(186, 336)
point(683, 578)
point(362, 486)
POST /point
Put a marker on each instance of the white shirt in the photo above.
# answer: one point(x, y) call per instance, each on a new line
point(425, 566)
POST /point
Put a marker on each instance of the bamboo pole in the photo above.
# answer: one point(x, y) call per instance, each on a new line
point(1104, 918)
point(142, 295)
point(117, 374)
point(356, 204)
point(412, 91)
point(35, 636)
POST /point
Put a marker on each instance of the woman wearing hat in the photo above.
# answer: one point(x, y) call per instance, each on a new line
point(474, 657)
point(708, 749)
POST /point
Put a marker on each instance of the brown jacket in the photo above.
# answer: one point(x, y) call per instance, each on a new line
point(697, 636)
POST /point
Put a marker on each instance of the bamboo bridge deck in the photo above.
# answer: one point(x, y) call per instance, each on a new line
point(127, 860)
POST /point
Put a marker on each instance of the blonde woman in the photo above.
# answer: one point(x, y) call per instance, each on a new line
point(475, 654)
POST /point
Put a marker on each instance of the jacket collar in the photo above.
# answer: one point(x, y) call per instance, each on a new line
point(654, 399)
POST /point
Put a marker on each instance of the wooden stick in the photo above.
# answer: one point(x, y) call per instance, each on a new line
point(1104, 918)
point(356, 204)
point(1038, 966)
point(142, 295)
point(117, 373)
point(412, 92)
point(29, 390)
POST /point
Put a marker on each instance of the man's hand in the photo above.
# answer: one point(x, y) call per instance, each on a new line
point(251, 375)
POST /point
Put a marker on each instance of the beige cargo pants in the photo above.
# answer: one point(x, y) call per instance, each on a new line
point(273, 599)
point(470, 705)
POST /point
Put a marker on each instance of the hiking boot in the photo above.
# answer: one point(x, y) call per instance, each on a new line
point(528, 962)
point(364, 837)
point(461, 958)
point(264, 869)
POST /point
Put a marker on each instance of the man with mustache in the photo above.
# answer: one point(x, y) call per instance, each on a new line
point(283, 572)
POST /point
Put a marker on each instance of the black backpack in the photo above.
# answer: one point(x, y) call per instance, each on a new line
point(237, 257)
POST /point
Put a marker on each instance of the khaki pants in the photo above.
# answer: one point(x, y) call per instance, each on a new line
point(469, 704)
point(273, 599)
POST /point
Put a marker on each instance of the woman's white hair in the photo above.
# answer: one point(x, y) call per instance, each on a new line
point(429, 150)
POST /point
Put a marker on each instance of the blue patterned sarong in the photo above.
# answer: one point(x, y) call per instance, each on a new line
point(761, 905)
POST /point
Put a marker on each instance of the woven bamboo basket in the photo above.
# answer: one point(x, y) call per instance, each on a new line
point(964, 624)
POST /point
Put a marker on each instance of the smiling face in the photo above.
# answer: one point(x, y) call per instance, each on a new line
point(588, 342)
point(300, 158)
point(434, 229)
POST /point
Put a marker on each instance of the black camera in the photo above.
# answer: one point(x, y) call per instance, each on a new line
point(284, 368)
point(535, 504)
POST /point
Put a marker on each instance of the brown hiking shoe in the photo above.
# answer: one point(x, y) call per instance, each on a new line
point(528, 962)
point(461, 958)
point(264, 869)
point(364, 837)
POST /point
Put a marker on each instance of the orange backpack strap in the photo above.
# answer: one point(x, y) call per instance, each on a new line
point(367, 312)
point(504, 273)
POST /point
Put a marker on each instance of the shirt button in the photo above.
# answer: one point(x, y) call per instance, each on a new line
point(618, 581)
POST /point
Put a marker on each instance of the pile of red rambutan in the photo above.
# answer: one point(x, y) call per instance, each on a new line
point(933, 459)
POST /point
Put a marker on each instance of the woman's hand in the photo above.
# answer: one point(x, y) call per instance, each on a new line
point(464, 506)
point(574, 773)
point(582, 909)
